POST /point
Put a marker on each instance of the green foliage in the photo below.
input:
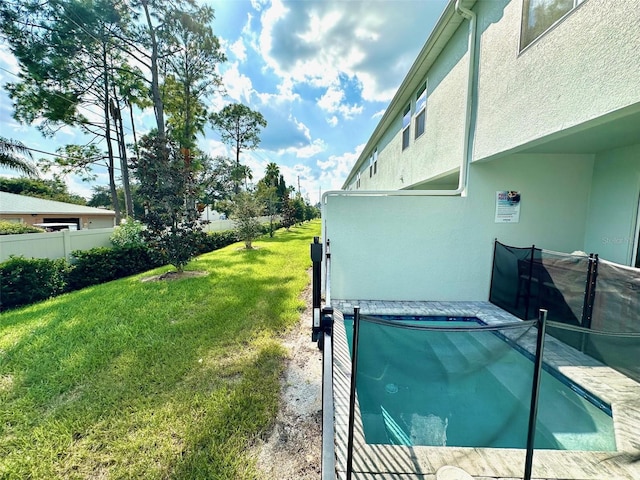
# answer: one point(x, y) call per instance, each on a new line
point(128, 234)
point(24, 281)
point(11, 228)
point(101, 198)
point(55, 189)
point(153, 380)
point(209, 242)
point(168, 189)
point(14, 155)
point(103, 264)
point(245, 213)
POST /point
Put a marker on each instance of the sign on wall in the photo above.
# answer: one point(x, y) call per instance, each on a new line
point(507, 206)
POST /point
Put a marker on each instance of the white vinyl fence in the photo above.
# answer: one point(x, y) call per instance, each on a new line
point(53, 244)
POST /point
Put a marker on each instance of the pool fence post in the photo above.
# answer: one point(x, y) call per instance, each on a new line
point(352, 396)
point(316, 258)
point(533, 411)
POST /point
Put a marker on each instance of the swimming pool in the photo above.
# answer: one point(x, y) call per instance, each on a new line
point(467, 389)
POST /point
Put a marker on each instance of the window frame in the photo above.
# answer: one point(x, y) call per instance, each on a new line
point(421, 111)
point(524, 20)
point(406, 127)
point(375, 161)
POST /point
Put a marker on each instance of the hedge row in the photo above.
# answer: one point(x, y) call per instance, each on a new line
point(28, 280)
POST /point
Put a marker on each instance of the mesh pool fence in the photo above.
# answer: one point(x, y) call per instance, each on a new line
point(576, 290)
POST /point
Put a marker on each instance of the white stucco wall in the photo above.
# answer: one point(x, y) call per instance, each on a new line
point(440, 248)
point(440, 148)
point(585, 67)
point(613, 204)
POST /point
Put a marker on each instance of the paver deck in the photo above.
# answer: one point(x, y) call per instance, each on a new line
point(390, 462)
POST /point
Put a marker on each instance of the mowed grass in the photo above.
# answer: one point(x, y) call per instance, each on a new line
point(170, 379)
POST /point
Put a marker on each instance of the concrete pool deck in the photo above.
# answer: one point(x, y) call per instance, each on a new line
point(390, 462)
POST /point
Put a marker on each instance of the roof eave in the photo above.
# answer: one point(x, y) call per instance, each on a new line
point(444, 29)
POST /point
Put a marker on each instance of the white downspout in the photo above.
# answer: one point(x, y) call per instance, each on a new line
point(464, 175)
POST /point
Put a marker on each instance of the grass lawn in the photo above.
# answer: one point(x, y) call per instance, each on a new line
point(169, 379)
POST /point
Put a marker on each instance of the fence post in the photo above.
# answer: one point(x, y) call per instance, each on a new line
point(589, 297)
point(66, 244)
point(316, 258)
point(352, 396)
point(533, 411)
point(528, 297)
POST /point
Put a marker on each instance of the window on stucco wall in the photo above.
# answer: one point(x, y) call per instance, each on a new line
point(421, 110)
point(540, 15)
point(406, 124)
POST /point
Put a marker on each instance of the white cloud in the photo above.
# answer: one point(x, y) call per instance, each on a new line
point(238, 86)
point(239, 50)
point(332, 102)
point(318, 42)
point(335, 169)
point(306, 151)
point(379, 113)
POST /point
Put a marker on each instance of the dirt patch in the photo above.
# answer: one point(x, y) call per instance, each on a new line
point(293, 449)
point(174, 275)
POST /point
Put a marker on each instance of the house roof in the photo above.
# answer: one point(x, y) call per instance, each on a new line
point(10, 203)
point(444, 29)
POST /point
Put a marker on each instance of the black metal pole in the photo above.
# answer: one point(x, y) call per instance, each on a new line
point(533, 411)
point(527, 299)
point(316, 258)
point(352, 396)
point(328, 431)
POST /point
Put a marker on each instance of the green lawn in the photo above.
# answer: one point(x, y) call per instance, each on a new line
point(171, 379)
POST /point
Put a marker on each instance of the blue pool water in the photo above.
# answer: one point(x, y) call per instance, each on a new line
point(467, 389)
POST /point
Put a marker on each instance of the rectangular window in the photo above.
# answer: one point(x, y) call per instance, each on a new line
point(375, 161)
point(421, 109)
point(539, 15)
point(406, 123)
point(358, 181)
point(370, 166)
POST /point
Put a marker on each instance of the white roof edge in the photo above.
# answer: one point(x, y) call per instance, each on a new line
point(14, 204)
point(440, 35)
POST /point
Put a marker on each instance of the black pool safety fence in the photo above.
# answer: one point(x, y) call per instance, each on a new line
point(600, 297)
point(457, 363)
point(446, 366)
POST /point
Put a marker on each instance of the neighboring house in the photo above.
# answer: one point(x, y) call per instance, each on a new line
point(37, 211)
point(539, 97)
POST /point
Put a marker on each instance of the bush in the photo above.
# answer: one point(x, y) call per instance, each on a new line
point(24, 281)
point(103, 264)
point(128, 234)
point(11, 228)
point(208, 242)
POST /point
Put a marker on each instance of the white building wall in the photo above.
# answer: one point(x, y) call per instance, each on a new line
point(440, 148)
point(440, 248)
point(584, 67)
point(613, 206)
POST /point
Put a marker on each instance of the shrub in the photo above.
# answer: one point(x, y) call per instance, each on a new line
point(11, 228)
point(24, 281)
point(103, 264)
point(128, 234)
point(208, 242)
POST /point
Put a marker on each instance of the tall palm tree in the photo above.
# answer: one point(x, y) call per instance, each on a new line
point(271, 174)
point(11, 156)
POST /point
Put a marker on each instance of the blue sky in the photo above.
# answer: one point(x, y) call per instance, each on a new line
point(321, 72)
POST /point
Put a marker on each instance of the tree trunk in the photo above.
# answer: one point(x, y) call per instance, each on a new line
point(158, 106)
point(107, 129)
point(124, 167)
